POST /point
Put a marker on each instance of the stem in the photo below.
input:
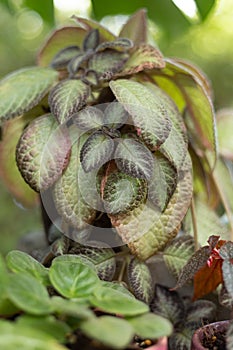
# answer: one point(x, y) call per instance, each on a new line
point(122, 271)
point(194, 221)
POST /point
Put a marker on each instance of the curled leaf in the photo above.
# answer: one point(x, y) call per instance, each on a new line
point(64, 56)
point(107, 63)
point(120, 44)
point(91, 41)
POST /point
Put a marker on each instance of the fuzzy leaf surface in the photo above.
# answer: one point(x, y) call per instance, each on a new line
point(134, 159)
point(64, 56)
point(114, 301)
point(144, 57)
point(96, 151)
point(140, 280)
point(146, 230)
point(123, 192)
point(60, 38)
point(195, 263)
point(91, 40)
point(120, 44)
point(135, 28)
point(110, 331)
point(72, 279)
point(29, 294)
point(102, 256)
point(107, 63)
point(115, 115)
point(163, 182)
point(200, 309)
point(23, 89)
point(67, 98)
point(168, 304)
point(20, 262)
point(67, 194)
point(148, 112)
point(89, 118)
point(177, 253)
point(229, 337)
point(43, 152)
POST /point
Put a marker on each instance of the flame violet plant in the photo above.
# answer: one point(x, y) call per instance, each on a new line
point(120, 145)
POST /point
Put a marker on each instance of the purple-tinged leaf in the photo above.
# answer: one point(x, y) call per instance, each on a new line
point(134, 159)
point(115, 115)
point(67, 98)
point(64, 56)
point(96, 151)
point(140, 280)
point(135, 28)
point(199, 310)
point(58, 40)
point(143, 57)
point(76, 63)
point(89, 118)
point(22, 90)
point(91, 41)
point(43, 152)
point(107, 63)
point(120, 44)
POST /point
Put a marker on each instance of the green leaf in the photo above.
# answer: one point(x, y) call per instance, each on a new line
point(67, 193)
point(115, 115)
point(91, 41)
point(107, 63)
point(143, 57)
point(20, 262)
point(111, 331)
point(23, 89)
point(88, 24)
point(29, 294)
point(176, 145)
point(102, 257)
point(120, 44)
point(96, 151)
point(57, 41)
point(135, 28)
point(119, 286)
point(67, 98)
point(134, 159)
point(200, 118)
point(204, 7)
point(140, 280)
point(163, 182)
point(177, 253)
point(77, 63)
point(122, 193)
point(72, 279)
point(114, 301)
point(150, 326)
point(49, 325)
point(224, 126)
point(60, 246)
point(9, 171)
point(88, 118)
point(71, 308)
point(148, 112)
point(64, 56)
point(168, 304)
point(146, 230)
point(43, 152)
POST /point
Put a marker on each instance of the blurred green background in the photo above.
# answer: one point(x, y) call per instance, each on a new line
point(197, 30)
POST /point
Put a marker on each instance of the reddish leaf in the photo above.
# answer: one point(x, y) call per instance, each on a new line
point(207, 279)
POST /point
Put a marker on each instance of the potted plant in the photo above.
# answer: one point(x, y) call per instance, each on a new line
point(120, 145)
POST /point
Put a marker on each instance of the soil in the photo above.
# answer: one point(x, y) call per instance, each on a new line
point(214, 340)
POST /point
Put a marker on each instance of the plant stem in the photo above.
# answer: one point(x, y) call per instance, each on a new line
point(194, 221)
point(122, 271)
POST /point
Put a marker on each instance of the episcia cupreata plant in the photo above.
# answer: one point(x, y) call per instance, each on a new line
point(119, 143)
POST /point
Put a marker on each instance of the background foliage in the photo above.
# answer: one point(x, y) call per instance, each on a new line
point(205, 38)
